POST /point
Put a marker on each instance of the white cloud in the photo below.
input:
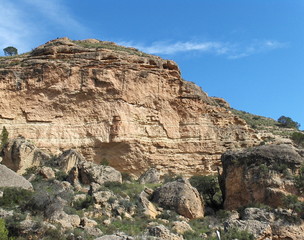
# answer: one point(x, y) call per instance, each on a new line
point(229, 50)
point(57, 13)
point(20, 28)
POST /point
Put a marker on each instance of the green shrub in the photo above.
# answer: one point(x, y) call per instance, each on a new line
point(288, 122)
point(234, 233)
point(292, 202)
point(61, 175)
point(298, 138)
point(3, 230)
point(83, 203)
point(209, 187)
point(15, 197)
point(299, 180)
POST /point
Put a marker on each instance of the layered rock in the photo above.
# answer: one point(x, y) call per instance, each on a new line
point(118, 104)
point(260, 175)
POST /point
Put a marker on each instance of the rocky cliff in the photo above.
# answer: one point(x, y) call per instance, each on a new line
point(116, 104)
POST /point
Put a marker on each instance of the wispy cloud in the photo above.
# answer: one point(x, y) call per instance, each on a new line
point(57, 13)
point(227, 49)
point(25, 28)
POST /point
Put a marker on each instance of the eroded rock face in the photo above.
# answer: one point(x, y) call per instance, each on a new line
point(260, 175)
point(21, 154)
point(180, 196)
point(116, 103)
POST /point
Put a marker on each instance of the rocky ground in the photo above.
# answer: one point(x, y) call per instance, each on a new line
point(68, 197)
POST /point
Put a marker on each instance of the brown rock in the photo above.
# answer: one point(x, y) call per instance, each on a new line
point(255, 175)
point(182, 197)
point(117, 103)
point(149, 209)
point(21, 154)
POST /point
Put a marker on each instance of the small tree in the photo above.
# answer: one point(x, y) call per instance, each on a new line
point(298, 138)
point(10, 51)
point(288, 122)
point(3, 137)
point(209, 187)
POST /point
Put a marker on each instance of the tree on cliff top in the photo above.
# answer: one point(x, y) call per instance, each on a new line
point(288, 122)
point(10, 51)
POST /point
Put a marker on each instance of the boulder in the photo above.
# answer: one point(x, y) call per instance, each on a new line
point(260, 230)
point(259, 175)
point(152, 175)
point(88, 223)
point(20, 154)
point(90, 172)
point(181, 227)
point(180, 196)
point(69, 159)
point(162, 233)
point(149, 209)
point(9, 178)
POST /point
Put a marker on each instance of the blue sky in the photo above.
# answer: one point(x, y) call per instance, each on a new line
point(250, 53)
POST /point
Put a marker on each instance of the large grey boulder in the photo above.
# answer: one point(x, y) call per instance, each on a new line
point(21, 154)
point(9, 178)
point(180, 196)
point(90, 172)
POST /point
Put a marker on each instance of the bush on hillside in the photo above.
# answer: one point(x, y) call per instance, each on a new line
point(288, 122)
point(209, 187)
point(298, 138)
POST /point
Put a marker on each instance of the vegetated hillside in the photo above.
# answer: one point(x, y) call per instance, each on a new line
point(119, 104)
point(68, 197)
point(265, 124)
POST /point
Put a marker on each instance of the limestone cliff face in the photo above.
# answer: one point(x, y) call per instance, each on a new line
point(118, 104)
point(260, 175)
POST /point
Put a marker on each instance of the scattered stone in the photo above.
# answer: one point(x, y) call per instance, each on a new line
point(9, 178)
point(182, 197)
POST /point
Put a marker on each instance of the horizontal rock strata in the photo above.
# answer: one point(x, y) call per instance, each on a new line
point(116, 104)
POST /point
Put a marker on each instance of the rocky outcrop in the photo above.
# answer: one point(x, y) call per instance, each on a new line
point(260, 175)
point(118, 104)
point(9, 178)
point(90, 172)
point(267, 224)
point(180, 196)
point(21, 154)
point(149, 209)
